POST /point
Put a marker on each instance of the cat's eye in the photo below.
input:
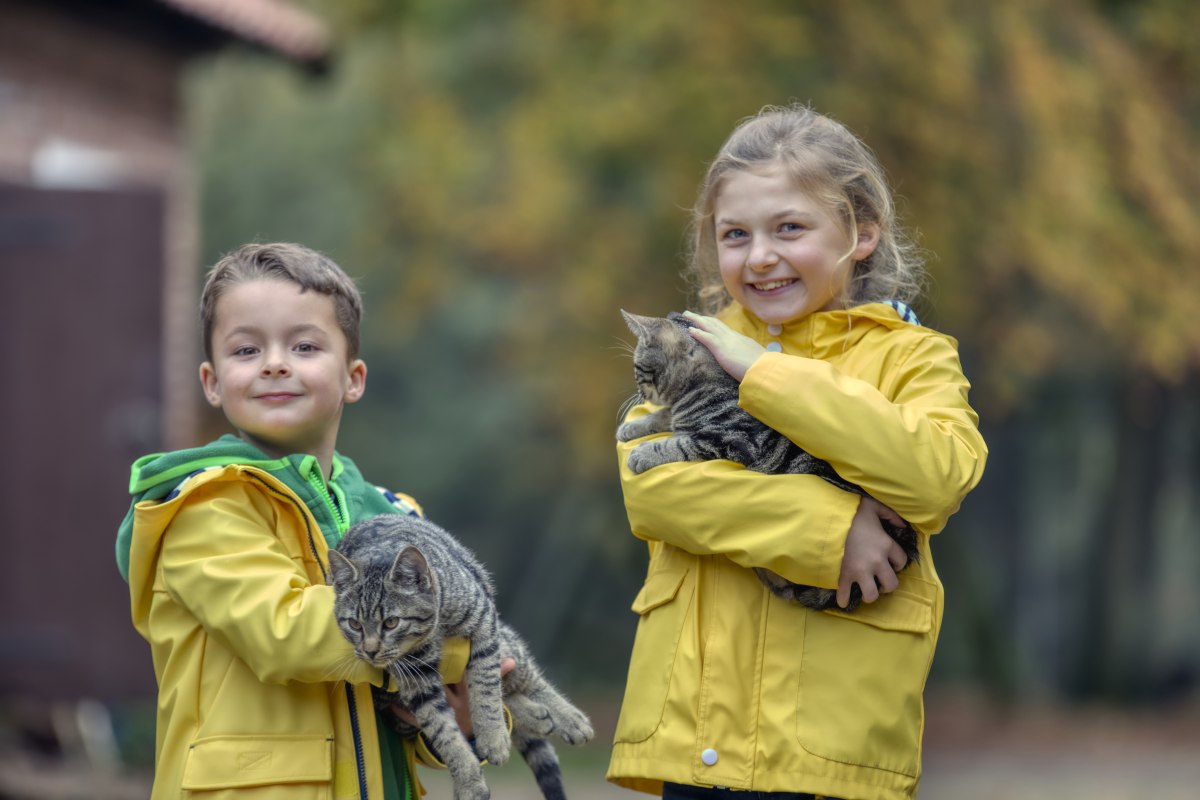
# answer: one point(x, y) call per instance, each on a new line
point(390, 623)
point(354, 624)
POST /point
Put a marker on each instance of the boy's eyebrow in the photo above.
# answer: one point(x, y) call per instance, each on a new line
point(304, 327)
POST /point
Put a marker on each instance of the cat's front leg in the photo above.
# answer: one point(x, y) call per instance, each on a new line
point(438, 724)
point(658, 421)
point(492, 740)
point(661, 451)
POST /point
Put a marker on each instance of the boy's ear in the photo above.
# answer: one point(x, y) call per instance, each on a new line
point(208, 381)
point(358, 381)
point(868, 240)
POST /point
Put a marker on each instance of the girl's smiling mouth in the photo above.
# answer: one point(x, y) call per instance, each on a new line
point(768, 286)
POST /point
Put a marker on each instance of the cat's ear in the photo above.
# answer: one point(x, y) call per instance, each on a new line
point(410, 572)
point(638, 325)
point(341, 569)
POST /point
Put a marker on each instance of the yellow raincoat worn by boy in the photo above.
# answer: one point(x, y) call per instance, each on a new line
point(259, 693)
point(730, 686)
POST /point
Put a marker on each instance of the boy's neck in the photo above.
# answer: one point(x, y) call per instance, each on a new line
point(324, 456)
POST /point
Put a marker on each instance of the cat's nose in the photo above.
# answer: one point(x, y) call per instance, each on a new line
point(370, 647)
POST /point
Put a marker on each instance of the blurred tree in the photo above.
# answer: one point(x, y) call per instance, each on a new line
point(505, 177)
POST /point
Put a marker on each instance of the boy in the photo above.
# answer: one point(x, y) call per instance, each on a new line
point(225, 549)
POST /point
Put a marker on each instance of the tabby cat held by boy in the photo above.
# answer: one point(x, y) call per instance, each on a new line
point(403, 585)
point(699, 408)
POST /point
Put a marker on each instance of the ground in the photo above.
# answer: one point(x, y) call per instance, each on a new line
point(972, 750)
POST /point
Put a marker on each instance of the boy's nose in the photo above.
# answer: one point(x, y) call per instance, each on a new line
point(275, 365)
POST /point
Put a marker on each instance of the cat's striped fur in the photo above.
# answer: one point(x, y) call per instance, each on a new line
point(403, 585)
point(699, 407)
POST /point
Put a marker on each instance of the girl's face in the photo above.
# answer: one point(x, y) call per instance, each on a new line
point(782, 254)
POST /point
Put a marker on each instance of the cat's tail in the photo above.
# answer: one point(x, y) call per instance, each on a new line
point(543, 762)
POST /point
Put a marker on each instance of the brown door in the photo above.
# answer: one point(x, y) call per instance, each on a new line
point(80, 343)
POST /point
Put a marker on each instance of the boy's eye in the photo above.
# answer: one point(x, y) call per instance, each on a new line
point(306, 347)
point(245, 350)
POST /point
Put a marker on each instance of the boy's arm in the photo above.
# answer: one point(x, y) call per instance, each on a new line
point(794, 525)
point(916, 449)
point(221, 561)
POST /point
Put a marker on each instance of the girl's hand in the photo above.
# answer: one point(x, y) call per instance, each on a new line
point(733, 351)
point(872, 558)
point(457, 697)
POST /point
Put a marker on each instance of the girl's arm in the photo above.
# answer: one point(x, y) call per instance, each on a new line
point(915, 446)
point(794, 525)
point(221, 561)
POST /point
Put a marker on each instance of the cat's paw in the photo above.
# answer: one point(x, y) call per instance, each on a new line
point(627, 431)
point(573, 725)
point(493, 745)
point(529, 717)
point(472, 790)
point(642, 458)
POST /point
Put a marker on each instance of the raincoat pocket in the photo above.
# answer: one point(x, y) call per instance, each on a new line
point(662, 603)
point(294, 767)
point(862, 676)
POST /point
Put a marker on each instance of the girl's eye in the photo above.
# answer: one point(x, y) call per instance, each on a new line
point(354, 624)
point(791, 227)
point(306, 347)
point(390, 623)
point(734, 233)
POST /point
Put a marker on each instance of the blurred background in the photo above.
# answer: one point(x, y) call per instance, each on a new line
point(501, 178)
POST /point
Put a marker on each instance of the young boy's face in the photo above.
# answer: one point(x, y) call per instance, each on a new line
point(280, 369)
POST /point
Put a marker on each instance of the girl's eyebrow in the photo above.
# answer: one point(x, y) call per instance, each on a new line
point(782, 213)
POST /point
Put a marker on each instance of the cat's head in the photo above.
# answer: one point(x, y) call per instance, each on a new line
point(667, 360)
point(385, 609)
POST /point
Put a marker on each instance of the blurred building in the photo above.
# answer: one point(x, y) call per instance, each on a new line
point(98, 247)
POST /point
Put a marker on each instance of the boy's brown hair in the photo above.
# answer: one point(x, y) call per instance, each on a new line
point(294, 263)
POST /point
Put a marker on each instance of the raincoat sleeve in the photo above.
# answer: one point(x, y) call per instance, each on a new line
point(914, 445)
point(224, 564)
point(794, 525)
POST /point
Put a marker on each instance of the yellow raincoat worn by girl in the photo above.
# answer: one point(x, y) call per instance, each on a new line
point(730, 686)
point(259, 693)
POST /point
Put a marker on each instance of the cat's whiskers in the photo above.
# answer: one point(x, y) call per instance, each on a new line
point(629, 403)
point(624, 347)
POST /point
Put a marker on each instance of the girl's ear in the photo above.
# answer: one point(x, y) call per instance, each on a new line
point(868, 240)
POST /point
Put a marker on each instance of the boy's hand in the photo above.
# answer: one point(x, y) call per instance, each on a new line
point(872, 558)
point(733, 351)
point(459, 700)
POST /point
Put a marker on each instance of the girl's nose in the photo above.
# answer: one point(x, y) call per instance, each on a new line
point(762, 255)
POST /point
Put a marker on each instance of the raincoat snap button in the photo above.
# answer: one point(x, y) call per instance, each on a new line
point(709, 756)
point(774, 329)
point(774, 347)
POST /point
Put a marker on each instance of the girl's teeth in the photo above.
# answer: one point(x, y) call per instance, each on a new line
point(769, 285)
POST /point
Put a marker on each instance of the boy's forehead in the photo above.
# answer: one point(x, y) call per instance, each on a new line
point(267, 301)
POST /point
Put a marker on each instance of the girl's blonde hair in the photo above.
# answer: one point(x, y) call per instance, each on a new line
point(830, 164)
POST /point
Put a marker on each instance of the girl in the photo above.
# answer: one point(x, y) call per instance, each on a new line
point(798, 254)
